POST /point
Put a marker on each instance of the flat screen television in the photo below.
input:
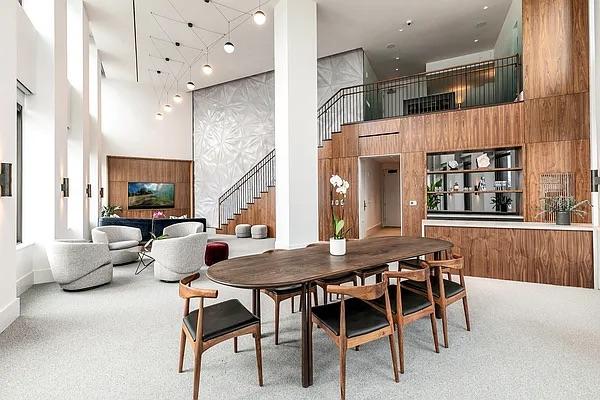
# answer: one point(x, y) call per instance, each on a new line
point(148, 195)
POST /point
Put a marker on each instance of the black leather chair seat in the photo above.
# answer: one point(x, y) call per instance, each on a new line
point(220, 319)
point(451, 288)
point(411, 302)
point(412, 263)
point(286, 289)
point(336, 280)
point(361, 318)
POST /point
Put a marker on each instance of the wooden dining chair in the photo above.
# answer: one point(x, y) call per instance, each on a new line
point(281, 294)
point(352, 322)
point(376, 271)
point(211, 325)
point(445, 291)
point(407, 306)
point(349, 277)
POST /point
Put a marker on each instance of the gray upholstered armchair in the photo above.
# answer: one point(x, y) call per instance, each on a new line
point(178, 257)
point(77, 266)
point(120, 240)
point(183, 229)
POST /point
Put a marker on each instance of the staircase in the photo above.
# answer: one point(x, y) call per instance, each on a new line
point(251, 199)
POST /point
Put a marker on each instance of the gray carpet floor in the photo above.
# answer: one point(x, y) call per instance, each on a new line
point(120, 341)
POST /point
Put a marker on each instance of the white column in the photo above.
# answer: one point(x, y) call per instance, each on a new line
point(78, 135)
point(295, 31)
point(95, 135)
point(45, 137)
point(9, 304)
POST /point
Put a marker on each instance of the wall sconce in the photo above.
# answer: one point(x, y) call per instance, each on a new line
point(6, 180)
point(88, 190)
point(64, 187)
point(101, 192)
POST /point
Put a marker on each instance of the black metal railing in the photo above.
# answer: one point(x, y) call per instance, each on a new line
point(473, 85)
point(248, 188)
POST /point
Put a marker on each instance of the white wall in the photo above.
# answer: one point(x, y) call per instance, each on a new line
point(505, 44)
point(27, 39)
point(129, 127)
point(9, 304)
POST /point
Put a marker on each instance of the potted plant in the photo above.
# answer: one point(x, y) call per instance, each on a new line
point(110, 211)
point(562, 207)
point(433, 200)
point(501, 202)
point(339, 188)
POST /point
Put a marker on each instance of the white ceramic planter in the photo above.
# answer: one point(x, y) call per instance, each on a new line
point(337, 247)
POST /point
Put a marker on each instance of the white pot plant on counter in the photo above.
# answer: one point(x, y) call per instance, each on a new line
point(562, 207)
point(337, 243)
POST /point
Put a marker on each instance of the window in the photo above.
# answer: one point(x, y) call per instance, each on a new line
point(19, 173)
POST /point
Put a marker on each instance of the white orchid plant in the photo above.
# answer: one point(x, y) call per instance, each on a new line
point(338, 194)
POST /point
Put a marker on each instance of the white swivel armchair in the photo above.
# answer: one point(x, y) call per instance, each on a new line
point(77, 266)
point(176, 258)
point(183, 229)
point(120, 240)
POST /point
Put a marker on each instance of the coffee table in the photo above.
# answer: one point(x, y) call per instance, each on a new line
point(144, 258)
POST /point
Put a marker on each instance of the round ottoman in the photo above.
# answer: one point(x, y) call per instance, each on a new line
point(242, 230)
point(259, 231)
point(215, 252)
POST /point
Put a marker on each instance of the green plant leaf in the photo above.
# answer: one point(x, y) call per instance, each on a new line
point(339, 225)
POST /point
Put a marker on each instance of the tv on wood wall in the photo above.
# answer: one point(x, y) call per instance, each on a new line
point(145, 195)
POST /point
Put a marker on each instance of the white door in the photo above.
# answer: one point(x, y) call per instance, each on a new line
point(392, 214)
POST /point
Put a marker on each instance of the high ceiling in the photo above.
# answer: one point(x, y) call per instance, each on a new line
point(440, 29)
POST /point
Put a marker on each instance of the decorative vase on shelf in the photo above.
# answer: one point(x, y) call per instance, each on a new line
point(337, 247)
point(563, 218)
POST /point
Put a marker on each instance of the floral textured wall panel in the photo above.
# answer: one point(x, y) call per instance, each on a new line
point(234, 125)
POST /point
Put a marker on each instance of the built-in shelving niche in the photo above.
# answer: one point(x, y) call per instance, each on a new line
point(458, 188)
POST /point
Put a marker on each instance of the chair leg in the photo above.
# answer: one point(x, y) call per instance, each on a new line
point(258, 356)
point(400, 333)
point(362, 280)
point(235, 344)
point(181, 350)
point(324, 296)
point(435, 333)
point(445, 325)
point(378, 278)
point(394, 358)
point(343, 372)
point(197, 367)
point(292, 304)
point(315, 297)
point(276, 322)
point(466, 308)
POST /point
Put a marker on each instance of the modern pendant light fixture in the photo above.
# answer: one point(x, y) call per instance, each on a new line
point(206, 68)
point(159, 116)
point(167, 108)
point(228, 46)
point(259, 16)
point(190, 84)
point(177, 99)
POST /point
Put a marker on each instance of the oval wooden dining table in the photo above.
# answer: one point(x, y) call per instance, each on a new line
point(304, 266)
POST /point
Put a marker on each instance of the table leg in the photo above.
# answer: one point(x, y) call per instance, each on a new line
point(256, 302)
point(307, 353)
point(141, 262)
point(437, 256)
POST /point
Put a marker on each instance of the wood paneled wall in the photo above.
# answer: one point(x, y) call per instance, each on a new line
point(261, 212)
point(122, 170)
point(555, 47)
point(540, 256)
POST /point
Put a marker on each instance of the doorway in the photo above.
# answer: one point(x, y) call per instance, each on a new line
point(380, 193)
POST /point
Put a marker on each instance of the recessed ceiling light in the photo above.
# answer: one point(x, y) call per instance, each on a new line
point(400, 30)
point(397, 69)
point(397, 58)
point(476, 40)
point(390, 46)
point(485, 7)
point(409, 22)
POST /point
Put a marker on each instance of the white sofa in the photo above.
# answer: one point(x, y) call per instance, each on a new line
point(121, 240)
point(182, 229)
point(177, 258)
point(77, 266)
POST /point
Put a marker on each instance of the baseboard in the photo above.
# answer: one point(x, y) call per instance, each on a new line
point(42, 276)
point(24, 283)
point(9, 314)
